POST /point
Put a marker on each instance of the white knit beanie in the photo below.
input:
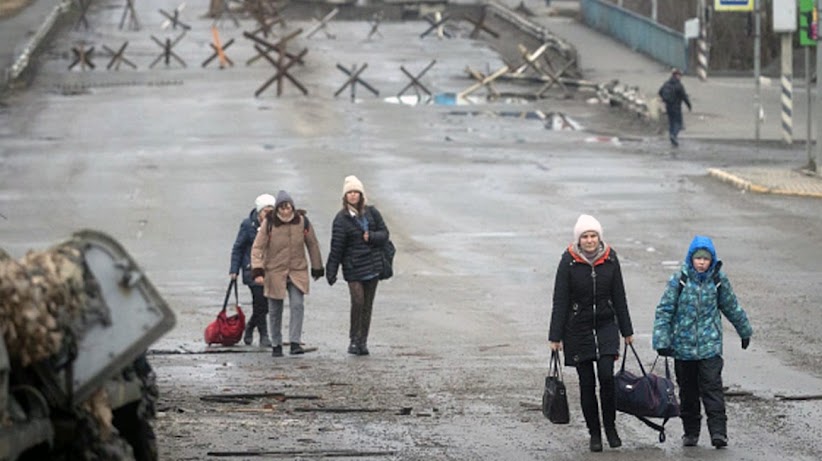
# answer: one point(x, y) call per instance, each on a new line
point(352, 183)
point(263, 201)
point(584, 224)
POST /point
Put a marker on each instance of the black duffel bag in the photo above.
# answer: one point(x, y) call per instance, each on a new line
point(647, 395)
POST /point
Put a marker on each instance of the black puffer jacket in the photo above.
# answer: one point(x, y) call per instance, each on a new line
point(589, 310)
point(360, 260)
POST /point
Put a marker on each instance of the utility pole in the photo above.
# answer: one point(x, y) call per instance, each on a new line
point(702, 43)
point(813, 164)
point(785, 24)
point(757, 53)
point(808, 94)
point(807, 39)
point(654, 10)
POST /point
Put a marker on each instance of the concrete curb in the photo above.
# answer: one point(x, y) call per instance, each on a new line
point(747, 185)
point(735, 180)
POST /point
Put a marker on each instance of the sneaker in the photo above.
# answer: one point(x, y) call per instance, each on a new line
point(719, 441)
point(596, 443)
point(674, 141)
point(277, 351)
point(353, 349)
point(613, 438)
point(296, 349)
point(690, 440)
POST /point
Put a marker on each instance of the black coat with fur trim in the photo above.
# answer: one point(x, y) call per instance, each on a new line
point(360, 260)
point(590, 309)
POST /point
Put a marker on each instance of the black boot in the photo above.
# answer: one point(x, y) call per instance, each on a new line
point(248, 334)
point(353, 349)
point(264, 341)
point(596, 442)
point(277, 351)
point(613, 438)
point(262, 327)
point(363, 349)
point(719, 441)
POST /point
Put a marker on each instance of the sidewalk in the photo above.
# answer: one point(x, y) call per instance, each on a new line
point(22, 31)
point(723, 107)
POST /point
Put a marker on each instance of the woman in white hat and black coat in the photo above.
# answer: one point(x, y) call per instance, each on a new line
point(590, 311)
point(357, 237)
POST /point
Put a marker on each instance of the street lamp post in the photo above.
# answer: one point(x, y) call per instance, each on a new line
point(757, 52)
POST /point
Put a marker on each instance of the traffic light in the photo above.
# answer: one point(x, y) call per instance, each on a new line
point(808, 23)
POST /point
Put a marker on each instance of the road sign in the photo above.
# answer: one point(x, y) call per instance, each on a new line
point(784, 16)
point(733, 5)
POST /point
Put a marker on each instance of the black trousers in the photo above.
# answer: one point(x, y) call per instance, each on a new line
point(259, 313)
point(701, 379)
point(588, 396)
point(362, 304)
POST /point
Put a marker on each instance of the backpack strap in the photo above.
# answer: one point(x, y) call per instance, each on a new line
point(683, 280)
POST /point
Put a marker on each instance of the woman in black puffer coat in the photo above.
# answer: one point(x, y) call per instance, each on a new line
point(357, 238)
point(589, 313)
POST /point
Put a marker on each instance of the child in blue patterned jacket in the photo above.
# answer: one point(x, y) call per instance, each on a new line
point(688, 327)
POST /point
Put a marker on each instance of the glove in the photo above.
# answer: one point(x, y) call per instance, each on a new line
point(317, 273)
point(665, 352)
point(746, 342)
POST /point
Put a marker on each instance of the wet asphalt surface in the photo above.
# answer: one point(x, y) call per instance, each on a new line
point(480, 207)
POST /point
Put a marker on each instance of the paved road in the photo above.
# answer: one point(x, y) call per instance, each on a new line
point(480, 207)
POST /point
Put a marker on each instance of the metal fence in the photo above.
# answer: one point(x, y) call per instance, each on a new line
point(638, 32)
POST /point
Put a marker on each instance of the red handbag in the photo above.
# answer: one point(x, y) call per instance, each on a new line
point(227, 330)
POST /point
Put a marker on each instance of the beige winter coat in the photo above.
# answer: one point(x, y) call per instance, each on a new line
point(280, 255)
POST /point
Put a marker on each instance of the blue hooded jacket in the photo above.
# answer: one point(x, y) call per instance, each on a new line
point(688, 317)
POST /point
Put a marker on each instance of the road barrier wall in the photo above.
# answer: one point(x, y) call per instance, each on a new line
point(639, 33)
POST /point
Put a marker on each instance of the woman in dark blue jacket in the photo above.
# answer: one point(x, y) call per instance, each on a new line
point(357, 239)
point(241, 260)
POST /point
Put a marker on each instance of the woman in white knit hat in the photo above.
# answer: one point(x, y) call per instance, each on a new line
point(241, 261)
point(358, 236)
point(590, 311)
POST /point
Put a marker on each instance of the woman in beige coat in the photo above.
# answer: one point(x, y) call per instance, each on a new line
point(278, 262)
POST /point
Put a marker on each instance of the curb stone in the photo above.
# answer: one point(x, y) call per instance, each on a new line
point(748, 185)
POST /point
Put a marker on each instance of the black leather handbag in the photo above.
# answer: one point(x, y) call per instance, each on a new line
point(554, 398)
point(388, 251)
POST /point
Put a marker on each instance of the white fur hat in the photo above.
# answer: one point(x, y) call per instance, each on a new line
point(265, 200)
point(353, 183)
point(584, 224)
